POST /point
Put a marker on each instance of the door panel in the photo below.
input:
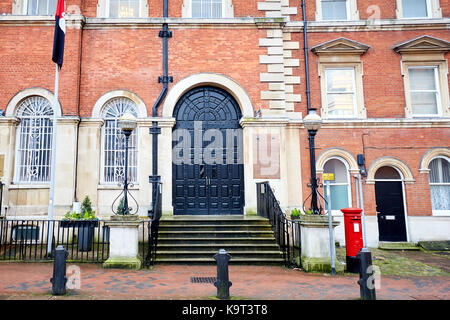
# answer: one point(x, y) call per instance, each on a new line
point(390, 211)
point(207, 187)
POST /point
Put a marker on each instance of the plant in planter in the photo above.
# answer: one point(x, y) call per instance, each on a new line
point(85, 221)
point(295, 214)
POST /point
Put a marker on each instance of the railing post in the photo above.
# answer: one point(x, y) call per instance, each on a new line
point(222, 283)
point(59, 272)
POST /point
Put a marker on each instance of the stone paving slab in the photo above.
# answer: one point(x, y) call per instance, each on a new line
point(31, 281)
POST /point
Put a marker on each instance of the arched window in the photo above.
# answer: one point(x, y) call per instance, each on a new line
point(34, 140)
point(440, 185)
point(114, 142)
point(339, 188)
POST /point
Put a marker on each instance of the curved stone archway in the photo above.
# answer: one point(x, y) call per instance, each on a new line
point(430, 155)
point(405, 171)
point(97, 110)
point(336, 152)
point(35, 91)
point(204, 79)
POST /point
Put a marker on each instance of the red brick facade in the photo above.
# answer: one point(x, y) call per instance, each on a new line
point(100, 57)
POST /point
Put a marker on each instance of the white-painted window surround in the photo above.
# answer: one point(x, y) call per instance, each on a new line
point(113, 143)
point(35, 7)
point(336, 10)
point(34, 140)
point(424, 90)
point(340, 191)
point(207, 9)
point(340, 92)
point(418, 9)
point(439, 178)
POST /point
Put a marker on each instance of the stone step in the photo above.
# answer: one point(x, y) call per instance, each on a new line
point(204, 247)
point(214, 221)
point(218, 241)
point(215, 234)
point(208, 254)
point(397, 246)
point(214, 227)
point(212, 261)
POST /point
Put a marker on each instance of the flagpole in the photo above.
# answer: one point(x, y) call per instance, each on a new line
point(52, 165)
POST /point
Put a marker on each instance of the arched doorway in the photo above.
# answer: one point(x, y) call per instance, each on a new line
point(207, 164)
point(390, 204)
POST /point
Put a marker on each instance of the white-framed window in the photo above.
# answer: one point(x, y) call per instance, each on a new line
point(207, 9)
point(335, 10)
point(340, 191)
point(113, 143)
point(418, 9)
point(424, 90)
point(340, 92)
point(34, 140)
point(123, 8)
point(439, 178)
point(40, 7)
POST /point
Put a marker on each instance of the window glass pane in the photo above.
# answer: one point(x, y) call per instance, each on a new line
point(339, 80)
point(339, 197)
point(43, 7)
point(334, 9)
point(216, 10)
point(32, 7)
point(439, 171)
point(52, 7)
point(440, 197)
point(340, 104)
point(133, 9)
point(113, 8)
point(414, 8)
point(424, 102)
point(196, 9)
point(387, 173)
point(338, 168)
point(206, 9)
point(422, 78)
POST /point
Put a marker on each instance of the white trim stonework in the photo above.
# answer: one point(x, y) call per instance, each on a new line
point(430, 155)
point(98, 107)
point(398, 164)
point(21, 95)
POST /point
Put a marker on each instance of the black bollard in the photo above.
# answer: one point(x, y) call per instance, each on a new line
point(59, 272)
point(366, 278)
point(222, 284)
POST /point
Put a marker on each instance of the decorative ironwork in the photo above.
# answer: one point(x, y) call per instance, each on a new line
point(286, 231)
point(34, 145)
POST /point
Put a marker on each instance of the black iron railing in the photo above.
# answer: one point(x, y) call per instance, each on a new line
point(286, 231)
point(153, 225)
point(35, 240)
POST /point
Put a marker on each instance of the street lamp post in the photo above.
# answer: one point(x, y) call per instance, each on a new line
point(127, 123)
point(312, 123)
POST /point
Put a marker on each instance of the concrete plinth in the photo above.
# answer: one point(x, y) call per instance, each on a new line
point(123, 242)
point(315, 244)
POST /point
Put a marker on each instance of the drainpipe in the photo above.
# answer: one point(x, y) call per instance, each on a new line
point(305, 50)
point(165, 34)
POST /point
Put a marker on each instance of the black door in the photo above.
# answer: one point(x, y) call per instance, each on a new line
point(208, 170)
point(390, 211)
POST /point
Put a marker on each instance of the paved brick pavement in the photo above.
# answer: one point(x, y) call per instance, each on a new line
point(31, 281)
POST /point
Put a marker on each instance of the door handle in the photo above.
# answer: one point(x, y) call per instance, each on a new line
point(207, 181)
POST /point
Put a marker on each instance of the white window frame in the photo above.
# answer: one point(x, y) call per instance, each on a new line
point(108, 6)
point(438, 91)
point(351, 6)
point(103, 10)
point(102, 157)
point(439, 212)
point(227, 10)
point(222, 11)
point(18, 159)
point(347, 12)
point(433, 10)
point(25, 9)
point(355, 103)
point(348, 184)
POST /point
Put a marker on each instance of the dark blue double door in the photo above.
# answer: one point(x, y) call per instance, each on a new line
point(207, 167)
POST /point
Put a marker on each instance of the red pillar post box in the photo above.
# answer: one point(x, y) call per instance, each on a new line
point(353, 237)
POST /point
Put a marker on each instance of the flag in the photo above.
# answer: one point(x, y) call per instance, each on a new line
point(60, 33)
